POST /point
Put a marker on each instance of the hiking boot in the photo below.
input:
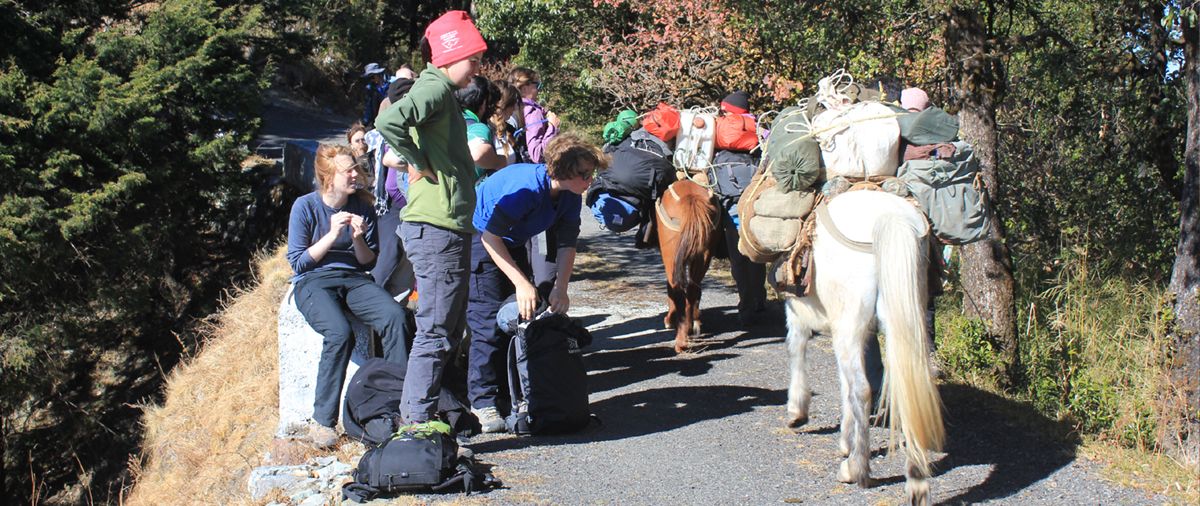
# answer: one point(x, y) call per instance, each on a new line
point(489, 419)
point(320, 435)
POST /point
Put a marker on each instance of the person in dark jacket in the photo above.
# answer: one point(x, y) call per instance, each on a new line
point(750, 277)
point(373, 92)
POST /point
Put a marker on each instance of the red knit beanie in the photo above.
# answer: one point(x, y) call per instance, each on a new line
point(453, 37)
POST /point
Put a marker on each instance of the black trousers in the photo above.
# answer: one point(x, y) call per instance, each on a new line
point(322, 298)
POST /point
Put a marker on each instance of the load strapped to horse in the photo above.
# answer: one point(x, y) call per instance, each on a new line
point(845, 139)
point(711, 147)
point(668, 178)
point(850, 263)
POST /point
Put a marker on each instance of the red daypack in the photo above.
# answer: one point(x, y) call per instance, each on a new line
point(663, 122)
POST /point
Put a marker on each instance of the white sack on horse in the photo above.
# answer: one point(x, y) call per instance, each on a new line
point(860, 141)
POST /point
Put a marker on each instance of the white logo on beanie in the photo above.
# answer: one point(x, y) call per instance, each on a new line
point(450, 40)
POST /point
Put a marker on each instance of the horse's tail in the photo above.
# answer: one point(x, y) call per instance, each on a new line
point(910, 396)
point(696, 229)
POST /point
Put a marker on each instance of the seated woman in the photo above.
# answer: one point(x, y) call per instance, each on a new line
point(515, 204)
point(331, 247)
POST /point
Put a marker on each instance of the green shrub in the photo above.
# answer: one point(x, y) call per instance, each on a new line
point(121, 135)
point(962, 346)
point(1093, 351)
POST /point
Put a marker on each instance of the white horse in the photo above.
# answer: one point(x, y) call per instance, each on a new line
point(870, 260)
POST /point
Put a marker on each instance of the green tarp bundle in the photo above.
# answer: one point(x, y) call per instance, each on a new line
point(794, 155)
point(930, 126)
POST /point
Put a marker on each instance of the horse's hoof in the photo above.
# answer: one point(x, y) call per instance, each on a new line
point(681, 348)
point(696, 328)
point(667, 322)
point(797, 421)
point(843, 474)
point(843, 448)
point(863, 479)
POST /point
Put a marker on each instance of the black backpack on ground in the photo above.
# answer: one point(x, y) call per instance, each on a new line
point(372, 407)
point(546, 376)
point(418, 458)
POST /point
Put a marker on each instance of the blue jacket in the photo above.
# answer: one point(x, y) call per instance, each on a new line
point(372, 96)
point(515, 203)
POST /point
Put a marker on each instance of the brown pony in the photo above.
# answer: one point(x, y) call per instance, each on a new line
point(686, 220)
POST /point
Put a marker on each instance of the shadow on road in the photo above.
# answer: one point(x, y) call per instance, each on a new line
point(650, 412)
point(635, 365)
point(1021, 445)
point(620, 261)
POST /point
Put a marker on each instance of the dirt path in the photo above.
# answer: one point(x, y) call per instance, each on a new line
point(708, 427)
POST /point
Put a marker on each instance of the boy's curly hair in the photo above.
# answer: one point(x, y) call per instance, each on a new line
point(566, 154)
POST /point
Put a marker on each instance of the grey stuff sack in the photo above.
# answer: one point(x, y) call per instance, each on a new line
point(930, 126)
point(946, 190)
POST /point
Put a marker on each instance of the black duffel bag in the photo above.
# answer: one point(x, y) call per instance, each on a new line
point(730, 174)
point(639, 170)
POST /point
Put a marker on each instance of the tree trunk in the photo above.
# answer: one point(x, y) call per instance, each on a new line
point(1181, 436)
point(4, 457)
point(986, 273)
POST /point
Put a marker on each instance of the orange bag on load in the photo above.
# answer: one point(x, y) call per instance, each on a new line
point(736, 132)
point(662, 122)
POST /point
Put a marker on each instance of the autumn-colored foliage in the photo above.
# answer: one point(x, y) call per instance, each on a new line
point(684, 52)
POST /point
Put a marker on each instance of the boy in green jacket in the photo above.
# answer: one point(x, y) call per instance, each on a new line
point(426, 127)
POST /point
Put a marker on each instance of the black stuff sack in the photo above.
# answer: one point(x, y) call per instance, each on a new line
point(731, 173)
point(640, 169)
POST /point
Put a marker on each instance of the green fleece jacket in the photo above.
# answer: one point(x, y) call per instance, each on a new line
point(426, 127)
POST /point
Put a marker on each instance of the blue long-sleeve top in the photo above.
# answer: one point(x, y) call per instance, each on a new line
point(309, 221)
point(515, 203)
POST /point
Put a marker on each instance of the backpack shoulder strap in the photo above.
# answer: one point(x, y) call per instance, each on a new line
point(472, 480)
point(514, 380)
point(359, 492)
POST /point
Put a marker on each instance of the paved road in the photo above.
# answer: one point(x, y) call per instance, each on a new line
point(708, 427)
point(287, 118)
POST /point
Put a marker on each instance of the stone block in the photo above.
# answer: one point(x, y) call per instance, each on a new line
point(299, 354)
point(299, 170)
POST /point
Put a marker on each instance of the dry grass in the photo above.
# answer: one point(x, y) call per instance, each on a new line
point(219, 416)
point(1152, 472)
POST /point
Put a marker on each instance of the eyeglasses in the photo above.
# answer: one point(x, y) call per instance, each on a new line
point(537, 84)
